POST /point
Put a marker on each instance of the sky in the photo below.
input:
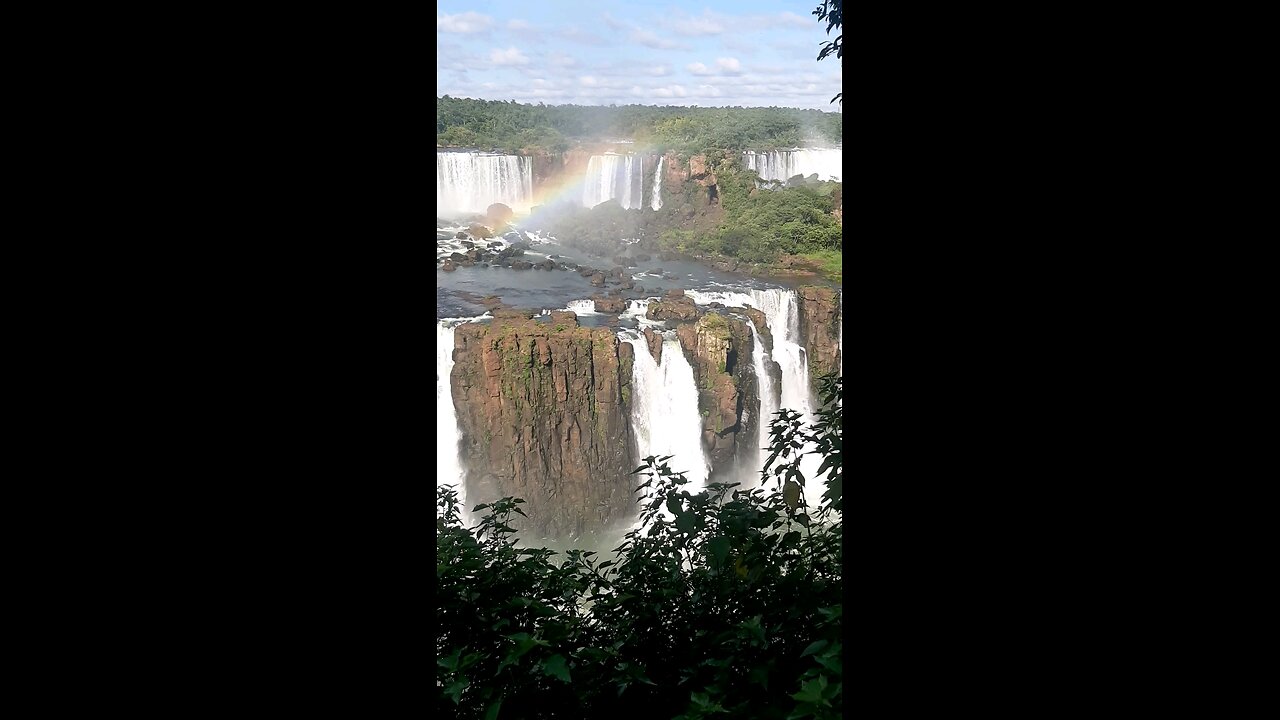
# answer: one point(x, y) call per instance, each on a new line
point(746, 52)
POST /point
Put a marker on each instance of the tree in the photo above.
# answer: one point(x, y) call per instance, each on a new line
point(830, 11)
point(724, 602)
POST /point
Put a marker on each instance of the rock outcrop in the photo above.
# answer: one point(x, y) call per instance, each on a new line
point(674, 306)
point(820, 329)
point(543, 412)
point(718, 347)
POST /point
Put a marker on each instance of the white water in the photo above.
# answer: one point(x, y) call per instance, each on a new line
point(785, 164)
point(448, 461)
point(583, 307)
point(613, 177)
point(664, 409)
point(657, 184)
point(768, 405)
point(471, 182)
point(782, 315)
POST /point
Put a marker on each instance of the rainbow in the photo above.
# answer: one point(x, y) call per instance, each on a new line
point(568, 186)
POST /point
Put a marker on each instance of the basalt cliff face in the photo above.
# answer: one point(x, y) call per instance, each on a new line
point(543, 414)
point(820, 328)
point(719, 348)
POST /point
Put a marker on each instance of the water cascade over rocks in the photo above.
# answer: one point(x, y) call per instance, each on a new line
point(470, 182)
point(783, 318)
point(448, 462)
point(657, 184)
point(785, 164)
point(665, 417)
point(613, 177)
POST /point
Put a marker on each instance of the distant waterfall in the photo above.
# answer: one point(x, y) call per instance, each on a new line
point(786, 164)
point(613, 177)
point(448, 461)
point(471, 182)
point(657, 184)
point(664, 416)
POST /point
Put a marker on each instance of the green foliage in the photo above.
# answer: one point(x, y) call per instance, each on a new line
point(726, 602)
point(513, 127)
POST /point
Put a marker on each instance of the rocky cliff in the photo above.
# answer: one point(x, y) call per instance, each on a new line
point(719, 348)
point(543, 413)
point(820, 329)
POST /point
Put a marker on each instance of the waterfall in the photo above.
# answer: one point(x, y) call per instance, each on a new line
point(786, 164)
point(657, 184)
point(470, 182)
point(664, 408)
point(782, 315)
point(448, 461)
point(613, 177)
point(766, 391)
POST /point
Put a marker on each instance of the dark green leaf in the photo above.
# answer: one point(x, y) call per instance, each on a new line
point(813, 648)
point(554, 666)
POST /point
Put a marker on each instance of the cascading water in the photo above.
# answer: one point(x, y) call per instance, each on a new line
point(782, 315)
point(448, 461)
point(768, 406)
point(664, 411)
point(657, 184)
point(470, 182)
point(613, 177)
point(786, 164)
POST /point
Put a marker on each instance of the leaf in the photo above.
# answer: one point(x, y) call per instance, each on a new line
point(688, 522)
point(492, 712)
point(791, 494)
point(455, 689)
point(554, 666)
point(811, 692)
point(760, 676)
point(813, 648)
point(719, 547)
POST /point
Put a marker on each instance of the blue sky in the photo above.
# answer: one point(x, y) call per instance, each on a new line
point(748, 53)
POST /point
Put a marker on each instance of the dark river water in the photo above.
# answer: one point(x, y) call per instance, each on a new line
point(458, 293)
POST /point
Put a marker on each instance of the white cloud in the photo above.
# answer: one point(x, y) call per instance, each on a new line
point(729, 65)
point(698, 69)
point(794, 20)
point(670, 91)
point(649, 39)
point(574, 34)
point(510, 56)
point(708, 23)
point(467, 22)
point(659, 70)
point(611, 22)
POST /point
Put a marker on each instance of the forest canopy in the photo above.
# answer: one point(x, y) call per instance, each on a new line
point(516, 128)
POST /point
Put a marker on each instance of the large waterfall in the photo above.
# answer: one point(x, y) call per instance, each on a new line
point(613, 177)
point(657, 184)
point(470, 182)
point(786, 164)
point(448, 461)
point(664, 415)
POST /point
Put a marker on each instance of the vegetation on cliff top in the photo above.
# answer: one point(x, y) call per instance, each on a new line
point(729, 602)
point(516, 128)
